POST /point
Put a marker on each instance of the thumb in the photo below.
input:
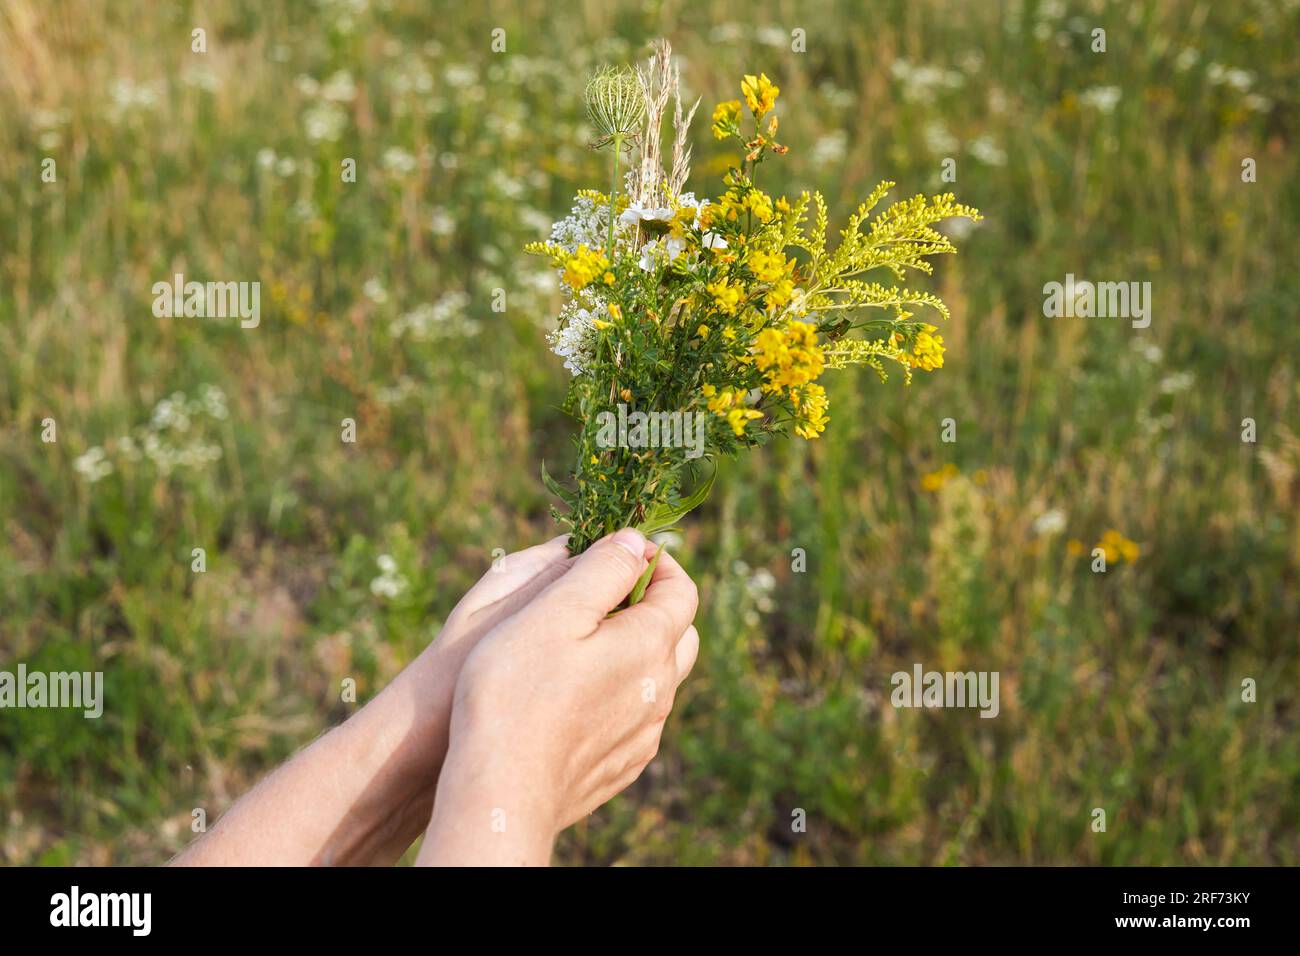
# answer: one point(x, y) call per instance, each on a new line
point(599, 579)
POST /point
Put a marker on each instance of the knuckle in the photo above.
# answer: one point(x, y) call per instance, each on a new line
point(616, 560)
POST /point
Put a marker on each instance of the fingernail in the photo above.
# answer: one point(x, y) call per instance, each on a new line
point(631, 539)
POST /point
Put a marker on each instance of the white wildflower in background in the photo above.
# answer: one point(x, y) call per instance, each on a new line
point(986, 151)
point(213, 401)
point(758, 587)
point(324, 121)
point(201, 78)
point(93, 465)
point(460, 76)
point(921, 82)
point(1177, 382)
point(1220, 75)
point(398, 160)
point(443, 319)
point(390, 582)
point(441, 222)
point(126, 96)
point(1149, 351)
point(374, 290)
point(1050, 522)
point(938, 140)
point(177, 435)
point(339, 88)
point(171, 413)
point(830, 149)
point(1103, 99)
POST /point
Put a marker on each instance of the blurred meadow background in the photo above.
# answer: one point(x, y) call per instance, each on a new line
point(327, 560)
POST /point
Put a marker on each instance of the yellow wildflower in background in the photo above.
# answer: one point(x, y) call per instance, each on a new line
point(1116, 547)
point(935, 480)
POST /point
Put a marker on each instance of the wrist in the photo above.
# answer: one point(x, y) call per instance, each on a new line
point(488, 815)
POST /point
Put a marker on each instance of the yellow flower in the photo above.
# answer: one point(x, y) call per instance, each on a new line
point(760, 94)
point(609, 278)
point(780, 293)
point(789, 357)
point(582, 268)
point(937, 479)
point(1117, 547)
point(760, 204)
point(725, 116)
point(702, 331)
point(738, 418)
point(616, 311)
point(927, 353)
point(769, 266)
point(726, 295)
point(811, 404)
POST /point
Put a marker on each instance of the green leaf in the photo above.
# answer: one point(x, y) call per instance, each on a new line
point(554, 487)
point(665, 516)
point(643, 582)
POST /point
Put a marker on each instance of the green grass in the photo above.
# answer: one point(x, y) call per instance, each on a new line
point(1119, 690)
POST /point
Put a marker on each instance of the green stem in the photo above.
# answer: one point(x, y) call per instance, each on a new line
point(613, 195)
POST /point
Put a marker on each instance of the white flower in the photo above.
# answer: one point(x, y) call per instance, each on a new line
point(711, 240)
point(1177, 382)
point(324, 121)
point(398, 160)
point(634, 214)
point(830, 148)
point(938, 140)
point(573, 340)
point(213, 400)
point(1049, 522)
point(93, 465)
point(339, 88)
point(1101, 98)
point(443, 319)
point(986, 151)
point(441, 222)
point(390, 583)
point(648, 261)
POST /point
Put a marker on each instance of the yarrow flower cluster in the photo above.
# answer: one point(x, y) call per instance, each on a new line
point(729, 308)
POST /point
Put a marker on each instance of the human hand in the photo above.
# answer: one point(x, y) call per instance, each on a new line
point(560, 707)
point(364, 791)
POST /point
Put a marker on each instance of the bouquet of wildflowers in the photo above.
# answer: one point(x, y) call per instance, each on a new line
point(693, 327)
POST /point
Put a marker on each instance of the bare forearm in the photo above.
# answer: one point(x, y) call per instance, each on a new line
point(359, 795)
